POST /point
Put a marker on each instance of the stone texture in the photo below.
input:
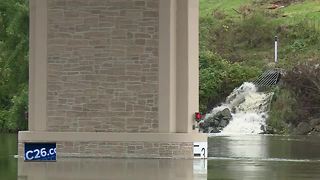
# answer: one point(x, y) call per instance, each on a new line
point(103, 65)
point(215, 123)
point(123, 149)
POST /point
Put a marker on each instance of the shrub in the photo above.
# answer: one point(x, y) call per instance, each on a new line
point(14, 40)
point(301, 32)
point(304, 81)
point(298, 99)
point(18, 109)
point(205, 36)
point(229, 37)
point(282, 110)
point(255, 31)
point(4, 120)
point(14, 119)
point(218, 77)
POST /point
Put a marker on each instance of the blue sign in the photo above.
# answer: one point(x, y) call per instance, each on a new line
point(40, 152)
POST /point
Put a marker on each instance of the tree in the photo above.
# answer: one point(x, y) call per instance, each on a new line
point(14, 47)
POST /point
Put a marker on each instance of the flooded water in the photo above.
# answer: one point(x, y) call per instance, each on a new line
point(264, 157)
point(244, 157)
point(111, 169)
point(8, 164)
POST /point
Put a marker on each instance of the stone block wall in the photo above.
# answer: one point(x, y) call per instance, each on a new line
point(180, 150)
point(103, 65)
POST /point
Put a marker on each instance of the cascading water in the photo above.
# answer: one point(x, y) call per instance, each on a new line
point(248, 109)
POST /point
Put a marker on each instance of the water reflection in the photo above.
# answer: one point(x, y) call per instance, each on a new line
point(264, 157)
point(95, 169)
point(255, 157)
point(265, 147)
point(262, 170)
point(8, 148)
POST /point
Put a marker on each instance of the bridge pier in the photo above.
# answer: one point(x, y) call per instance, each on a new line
point(114, 78)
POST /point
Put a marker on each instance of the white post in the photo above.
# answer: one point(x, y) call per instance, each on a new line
point(276, 49)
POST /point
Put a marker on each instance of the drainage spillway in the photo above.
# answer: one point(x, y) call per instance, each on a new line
point(244, 112)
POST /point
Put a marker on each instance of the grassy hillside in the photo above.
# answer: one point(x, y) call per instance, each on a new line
point(243, 30)
point(208, 6)
point(237, 43)
point(293, 12)
point(309, 9)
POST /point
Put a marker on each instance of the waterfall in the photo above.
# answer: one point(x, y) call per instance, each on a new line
point(248, 110)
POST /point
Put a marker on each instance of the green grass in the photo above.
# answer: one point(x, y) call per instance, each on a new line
point(307, 10)
point(207, 6)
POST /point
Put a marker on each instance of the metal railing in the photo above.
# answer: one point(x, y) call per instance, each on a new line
point(269, 78)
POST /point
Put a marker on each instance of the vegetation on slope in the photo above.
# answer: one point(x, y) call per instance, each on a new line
point(242, 34)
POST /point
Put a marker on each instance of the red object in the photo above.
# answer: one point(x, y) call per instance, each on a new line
point(198, 116)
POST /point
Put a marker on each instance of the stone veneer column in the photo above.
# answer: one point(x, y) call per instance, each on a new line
point(103, 64)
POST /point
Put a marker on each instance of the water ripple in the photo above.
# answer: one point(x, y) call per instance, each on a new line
point(263, 159)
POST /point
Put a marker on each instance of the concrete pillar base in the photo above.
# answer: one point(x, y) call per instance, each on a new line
point(116, 145)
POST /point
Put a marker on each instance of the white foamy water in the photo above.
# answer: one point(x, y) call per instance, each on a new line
point(245, 123)
point(249, 110)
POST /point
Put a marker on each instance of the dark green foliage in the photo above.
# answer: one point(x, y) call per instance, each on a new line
point(298, 99)
point(304, 81)
point(235, 39)
point(256, 31)
point(299, 37)
point(282, 111)
point(218, 78)
point(14, 47)
point(8, 165)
